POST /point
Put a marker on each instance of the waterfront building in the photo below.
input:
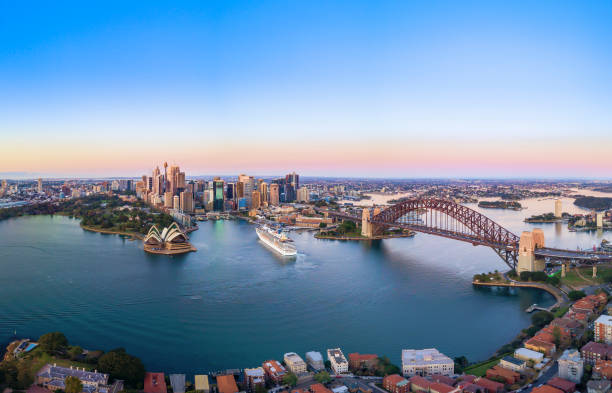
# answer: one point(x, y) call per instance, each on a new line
point(395, 383)
point(177, 381)
point(359, 361)
point(202, 384)
point(155, 383)
point(603, 329)
point(426, 362)
point(528, 355)
point(230, 191)
point(562, 384)
point(558, 208)
point(315, 360)
point(274, 370)
point(512, 363)
point(338, 362)
point(226, 384)
point(52, 377)
point(571, 365)
point(294, 363)
point(170, 240)
point(274, 194)
point(254, 377)
point(593, 351)
point(218, 201)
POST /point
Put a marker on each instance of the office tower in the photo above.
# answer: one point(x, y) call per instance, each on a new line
point(303, 195)
point(168, 200)
point(230, 191)
point(255, 200)
point(274, 194)
point(173, 179)
point(181, 181)
point(293, 179)
point(176, 205)
point(186, 201)
point(558, 208)
point(218, 197)
point(239, 190)
point(263, 193)
point(249, 187)
point(40, 188)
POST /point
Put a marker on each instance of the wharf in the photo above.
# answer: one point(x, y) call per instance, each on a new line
point(559, 296)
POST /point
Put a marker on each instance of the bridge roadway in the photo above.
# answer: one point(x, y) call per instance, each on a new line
point(544, 252)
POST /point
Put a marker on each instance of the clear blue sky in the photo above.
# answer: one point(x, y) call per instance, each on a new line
point(201, 82)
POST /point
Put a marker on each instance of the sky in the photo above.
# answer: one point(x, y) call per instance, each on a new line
point(326, 88)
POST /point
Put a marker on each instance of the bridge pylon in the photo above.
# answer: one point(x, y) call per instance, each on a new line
point(368, 229)
point(527, 261)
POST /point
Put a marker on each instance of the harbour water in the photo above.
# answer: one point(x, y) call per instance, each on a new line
point(234, 303)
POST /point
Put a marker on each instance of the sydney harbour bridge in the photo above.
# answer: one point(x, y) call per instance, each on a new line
point(446, 218)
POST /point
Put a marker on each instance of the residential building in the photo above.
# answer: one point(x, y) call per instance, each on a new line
point(274, 370)
point(574, 327)
point(303, 194)
point(155, 383)
point(274, 194)
point(319, 388)
point(395, 383)
point(294, 363)
point(177, 381)
point(226, 384)
point(539, 345)
point(338, 362)
point(512, 363)
point(499, 372)
point(528, 355)
point(52, 377)
point(489, 386)
point(437, 387)
point(359, 361)
point(315, 360)
point(571, 365)
point(426, 362)
point(254, 377)
point(602, 386)
point(546, 389)
point(562, 384)
point(419, 384)
point(202, 384)
point(592, 352)
point(602, 369)
point(603, 329)
point(442, 379)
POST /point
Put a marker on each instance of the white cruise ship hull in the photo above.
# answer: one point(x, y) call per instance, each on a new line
point(275, 244)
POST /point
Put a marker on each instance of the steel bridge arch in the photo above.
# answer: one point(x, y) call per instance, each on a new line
point(481, 230)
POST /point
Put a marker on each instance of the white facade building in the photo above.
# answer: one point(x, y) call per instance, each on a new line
point(571, 365)
point(426, 362)
point(603, 329)
point(315, 360)
point(339, 364)
point(295, 363)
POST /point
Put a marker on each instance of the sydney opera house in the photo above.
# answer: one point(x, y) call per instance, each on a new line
point(170, 240)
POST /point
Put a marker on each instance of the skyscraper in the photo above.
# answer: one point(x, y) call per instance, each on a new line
point(249, 187)
point(274, 194)
point(263, 193)
point(303, 195)
point(256, 199)
point(187, 201)
point(219, 198)
point(40, 187)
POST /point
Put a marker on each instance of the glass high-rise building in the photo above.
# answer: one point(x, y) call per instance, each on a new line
point(218, 196)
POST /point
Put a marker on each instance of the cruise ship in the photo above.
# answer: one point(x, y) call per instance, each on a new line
point(276, 239)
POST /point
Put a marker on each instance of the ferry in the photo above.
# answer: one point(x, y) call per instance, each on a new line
point(277, 240)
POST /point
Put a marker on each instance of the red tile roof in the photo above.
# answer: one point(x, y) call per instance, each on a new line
point(563, 384)
point(546, 389)
point(226, 384)
point(420, 382)
point(440, 387)
point(319, 388)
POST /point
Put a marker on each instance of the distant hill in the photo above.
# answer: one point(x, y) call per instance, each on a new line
point(591, 202)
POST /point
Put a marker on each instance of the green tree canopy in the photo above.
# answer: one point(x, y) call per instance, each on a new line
point(541, 318)
point(53, 342)
point(121, 365)
point(73, 385)
point(290, 379)
point(575, 295)
point(322, 377)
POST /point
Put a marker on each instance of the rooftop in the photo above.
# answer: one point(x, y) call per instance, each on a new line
point(337, 355)
point(513, 360)
point(604, 319)
point(424, 356)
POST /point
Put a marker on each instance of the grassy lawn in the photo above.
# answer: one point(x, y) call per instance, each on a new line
point(573, 279)
point(38, 358)
point(561, 312)
point(480, 369)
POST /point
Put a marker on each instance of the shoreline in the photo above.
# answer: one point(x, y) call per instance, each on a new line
point(134, 236)
point(352, 238)
point(557, 294)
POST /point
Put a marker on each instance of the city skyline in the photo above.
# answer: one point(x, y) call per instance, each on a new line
point(344, 89)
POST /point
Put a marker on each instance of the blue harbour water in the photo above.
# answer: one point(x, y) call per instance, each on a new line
point(234, 303)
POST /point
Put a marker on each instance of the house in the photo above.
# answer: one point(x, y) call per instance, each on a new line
point(254, 377)
point(507, 375)
point(593, 351)
point(512, 363)
point(201, 383)
point(177, 381)
point(274, 370)
point(437, 387)
point(359, 361)
point(395, 383)
point(574, 327)
point(489, 386)
point(602, 369)
point(226, 384)
point(602, 386)
point(562, 384)
point(155, 383)
point(546, 389)
point(419, 384)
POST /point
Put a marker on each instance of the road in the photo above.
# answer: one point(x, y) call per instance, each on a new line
point(551, 372)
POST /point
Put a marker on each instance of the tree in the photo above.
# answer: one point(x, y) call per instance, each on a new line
point(121, 365)
point(75, 352)
point(322, 225)
point(575, 295)
point(53, 342)
point(542, 318)
point(557, 336)
point(260, 388)
point(73, 385)
point(525, 276)
point(290, 379)
point(322, 377)
point(461, 362)
point(553, 280)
